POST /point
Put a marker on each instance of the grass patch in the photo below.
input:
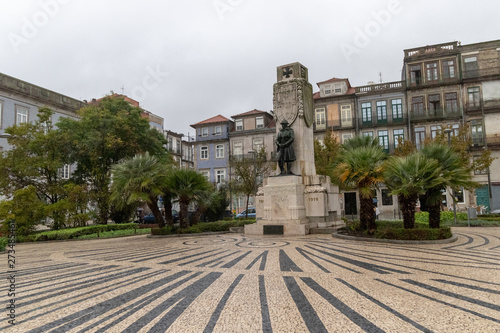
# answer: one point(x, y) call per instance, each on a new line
point(202, 227)
point(116, 233)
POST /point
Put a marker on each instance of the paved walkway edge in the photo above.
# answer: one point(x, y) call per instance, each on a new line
point(396, 241)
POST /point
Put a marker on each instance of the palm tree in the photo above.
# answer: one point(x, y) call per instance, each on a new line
point(455, 174)
point(362, 168)
point(139, 179)
point(187, 185)
point(360, 141)
point(407, 177)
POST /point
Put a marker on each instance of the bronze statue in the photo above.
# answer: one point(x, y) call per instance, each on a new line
point(286, 155)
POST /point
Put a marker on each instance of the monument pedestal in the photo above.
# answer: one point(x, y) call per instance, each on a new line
point(281, 204)
point(291, 205)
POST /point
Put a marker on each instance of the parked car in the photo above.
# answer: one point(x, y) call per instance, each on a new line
point(251, 213)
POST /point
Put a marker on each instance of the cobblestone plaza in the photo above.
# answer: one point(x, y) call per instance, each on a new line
point(233, 283)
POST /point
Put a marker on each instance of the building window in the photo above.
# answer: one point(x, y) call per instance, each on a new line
point(417, 106)
point(220, 175)
point(238, 149)
point(219, 151)
point(366, 112)
point(204, 131)
point(258, 144)
point(399, 137)
point(455, 128)
point(435, 130)
point(21, 115)
point(320, 118)
point(259, 122)
point(477, 132)
point(346, 115)
point(64, 171)
point(434, 104)
point(431, 70)
point(239, 124)
point(470, 67)
point(218, 130)
point(346, 137)
point(474, 97)
point(449, 69)
point(206, 173)
point(370, 134)
point(386, 197)
point(415, 75)
point(338, 90)
point(479, 171)
point(383, 140)
point(451, 103)
point(459, 196)
point(397, 109)
point(204, 153)
point(381, 111)
point(419, 136)
point(170, 145)
point(328, 91)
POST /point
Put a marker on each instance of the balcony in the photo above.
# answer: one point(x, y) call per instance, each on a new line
point(437, 114)
point(385, 122)
point(432, 51)
point(381, 88)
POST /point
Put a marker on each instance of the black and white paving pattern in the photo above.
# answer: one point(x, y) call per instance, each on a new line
point(233, 283)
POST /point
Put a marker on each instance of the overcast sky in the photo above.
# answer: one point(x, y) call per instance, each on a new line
point(190, 60)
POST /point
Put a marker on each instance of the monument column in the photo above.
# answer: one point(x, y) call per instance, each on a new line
point(292, 101)
point(297, 199)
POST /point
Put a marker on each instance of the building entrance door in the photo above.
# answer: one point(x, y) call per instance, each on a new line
point(350, 203)
point(483, 197)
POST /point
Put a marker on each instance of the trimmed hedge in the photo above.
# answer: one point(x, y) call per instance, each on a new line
point(3, 243)
point(73, 233)
point(201, 227)
point(413, 234)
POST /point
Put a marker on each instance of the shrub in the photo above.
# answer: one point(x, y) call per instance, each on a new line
point(413, 234)
point(73, 233)
point(3, 243)
point(201, 227)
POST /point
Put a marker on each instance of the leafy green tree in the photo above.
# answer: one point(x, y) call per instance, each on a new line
point(38, 152)
point(249, 172)
point(187, 186)
point(139, 179)
point(105, 134)
point(409, 176)
point(455, 173)
point(362, 168)
point(25, 208)
point(327, 155)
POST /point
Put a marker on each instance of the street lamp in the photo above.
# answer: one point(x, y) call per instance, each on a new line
point(448, 132)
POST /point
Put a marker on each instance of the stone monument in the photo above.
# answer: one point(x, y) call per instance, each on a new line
point(292, 202)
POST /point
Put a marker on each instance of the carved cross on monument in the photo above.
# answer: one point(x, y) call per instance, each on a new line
point(287, 72)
